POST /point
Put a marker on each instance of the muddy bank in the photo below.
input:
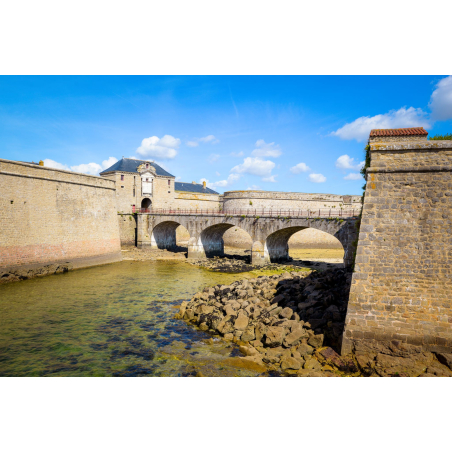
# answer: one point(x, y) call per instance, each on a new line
point(292, 324)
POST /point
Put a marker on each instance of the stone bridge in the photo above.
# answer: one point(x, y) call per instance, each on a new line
point(270, 233)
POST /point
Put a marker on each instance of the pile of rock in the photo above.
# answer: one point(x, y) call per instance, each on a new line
point(224, 265)
point(281, 321)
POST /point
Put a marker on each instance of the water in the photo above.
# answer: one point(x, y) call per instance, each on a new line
point(113, 320)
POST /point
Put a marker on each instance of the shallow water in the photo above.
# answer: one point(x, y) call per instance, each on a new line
point(113, 320)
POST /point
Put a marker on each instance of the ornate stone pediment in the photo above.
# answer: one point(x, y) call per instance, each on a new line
point(146, 167)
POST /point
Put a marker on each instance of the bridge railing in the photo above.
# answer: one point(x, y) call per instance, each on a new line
point(281, 213)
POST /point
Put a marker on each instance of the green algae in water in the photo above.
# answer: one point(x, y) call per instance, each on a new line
point(113, 320)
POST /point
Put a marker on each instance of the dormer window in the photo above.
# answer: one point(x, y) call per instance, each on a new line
point(147, 166)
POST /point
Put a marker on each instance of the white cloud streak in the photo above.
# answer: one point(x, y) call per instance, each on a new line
point(264, 149)
point(441, 100)
point(213, 158)
point(159, 148)
point(347, 162)
point(360, 128)
point(255, 166)
point(353, 176)
point(208, 139)
point(317, 178)
point(222, 183)
point(300, 168)
point(87, 168)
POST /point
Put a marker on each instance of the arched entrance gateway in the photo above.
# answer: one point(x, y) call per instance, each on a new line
point(146, 203)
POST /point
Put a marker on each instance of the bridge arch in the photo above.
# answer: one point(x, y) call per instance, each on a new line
point(163, 235)
point(276, 246)
point(269, 234)
point(210, 242)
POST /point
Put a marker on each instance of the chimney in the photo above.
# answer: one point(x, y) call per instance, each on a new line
point(193, 182)
point(41, 163)
point(204, 184)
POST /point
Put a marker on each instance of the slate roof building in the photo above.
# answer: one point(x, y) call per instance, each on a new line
point(141, 184)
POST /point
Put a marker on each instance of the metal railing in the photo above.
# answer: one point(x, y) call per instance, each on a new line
point(278, 213)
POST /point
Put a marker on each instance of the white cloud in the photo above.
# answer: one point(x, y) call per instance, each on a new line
point(52, 164)
point(300, 168)
point(264, 149)
point(178, 179)
point(255, 166)
point(209, 138)
point(222, 183)
point(237, 154)
point(217, 173)
point(353, 176)
point(317, 178)
point(441, 100)
point(87, 168)
point(360, 128)
point(254, 187)
point(347, 162)
point(213, 158)
point(109, 162)
point(269, 179)
point(160, 148)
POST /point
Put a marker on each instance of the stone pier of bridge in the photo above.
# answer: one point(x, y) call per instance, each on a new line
point(270, 234)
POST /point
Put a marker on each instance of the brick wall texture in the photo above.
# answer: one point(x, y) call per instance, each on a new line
point(401, 287)
point(47, 215)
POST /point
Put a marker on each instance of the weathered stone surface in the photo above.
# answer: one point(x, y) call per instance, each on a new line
point(286, 313)
point(403, 278)
point(291, 363)
point(445, 358)
point(248, 334)
point(295, 336)
point(242, 321)
point(305, 350)
point(316, 340)
point(274, 336)
point(312, 364)
point(395, 366)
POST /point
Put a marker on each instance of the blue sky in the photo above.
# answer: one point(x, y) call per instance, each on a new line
point(283, 133)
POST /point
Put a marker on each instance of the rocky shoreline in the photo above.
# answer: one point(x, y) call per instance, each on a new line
point(292, 324)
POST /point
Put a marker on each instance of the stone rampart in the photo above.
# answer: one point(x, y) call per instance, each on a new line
point(402, 285)
point(127, 228)
point(189, 200)
point(49, 215)
point(274, 200)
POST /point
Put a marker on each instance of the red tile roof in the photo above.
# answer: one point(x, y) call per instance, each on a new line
point(398, 132)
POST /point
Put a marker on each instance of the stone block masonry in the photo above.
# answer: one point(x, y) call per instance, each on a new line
point(49, 215)
point(274, 200)
point(402, 284)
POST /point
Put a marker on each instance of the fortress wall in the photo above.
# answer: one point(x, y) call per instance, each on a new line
point(127, 229)
point(49, 215)
point(189, 200)
point(402, 284)
point(250, 200)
